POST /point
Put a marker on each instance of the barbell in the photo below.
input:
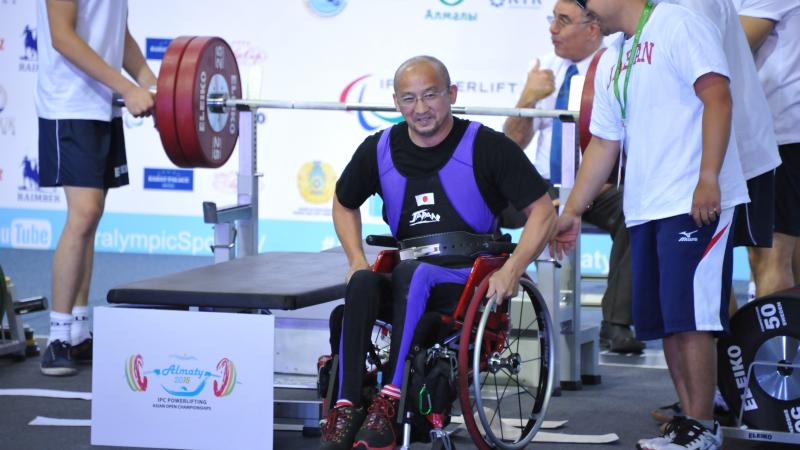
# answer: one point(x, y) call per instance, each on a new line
point(198, 95)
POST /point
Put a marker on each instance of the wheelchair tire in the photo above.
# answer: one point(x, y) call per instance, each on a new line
point(490, 362)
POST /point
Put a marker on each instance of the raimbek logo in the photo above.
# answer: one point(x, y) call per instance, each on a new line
point(30, 174)
point(30, 191)
point(326, 8)
point(355, 92)
point(29, 61)
point(316, 181)
point(182, 379)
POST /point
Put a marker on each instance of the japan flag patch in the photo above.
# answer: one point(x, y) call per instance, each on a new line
point(425, 199)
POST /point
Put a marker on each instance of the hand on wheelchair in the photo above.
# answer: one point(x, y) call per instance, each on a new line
point(504, 283)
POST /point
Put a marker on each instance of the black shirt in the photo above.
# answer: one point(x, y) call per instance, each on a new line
point(504, 173)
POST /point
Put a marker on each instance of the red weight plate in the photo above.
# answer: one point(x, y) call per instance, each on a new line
point(587, 97)
point(165, 100)
point(208, 67)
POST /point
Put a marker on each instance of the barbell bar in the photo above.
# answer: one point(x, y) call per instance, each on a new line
point(198, 95)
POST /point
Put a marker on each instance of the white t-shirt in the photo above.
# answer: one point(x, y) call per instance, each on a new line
point(753, 128)
point(62, 90)
point(663, 136)
point(543, 128)
point(778, 63)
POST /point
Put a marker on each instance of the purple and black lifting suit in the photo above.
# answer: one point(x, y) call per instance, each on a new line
point(444, 201)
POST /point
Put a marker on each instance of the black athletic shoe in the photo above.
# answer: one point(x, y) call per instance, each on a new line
point(339, 427)
point(57, 361)
point(378, 430)
point(82, 353)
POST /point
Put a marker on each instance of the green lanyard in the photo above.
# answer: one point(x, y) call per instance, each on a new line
point(623, 103)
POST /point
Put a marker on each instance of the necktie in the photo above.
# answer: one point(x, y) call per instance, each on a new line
point(562, 101)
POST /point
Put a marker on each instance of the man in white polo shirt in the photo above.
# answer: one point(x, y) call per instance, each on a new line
point(773, 31)
point(662, 94)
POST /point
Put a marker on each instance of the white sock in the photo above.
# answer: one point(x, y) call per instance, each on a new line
point(60, 326)
point(80, 325)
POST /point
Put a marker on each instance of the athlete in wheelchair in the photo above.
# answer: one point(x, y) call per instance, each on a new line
point(444, 182)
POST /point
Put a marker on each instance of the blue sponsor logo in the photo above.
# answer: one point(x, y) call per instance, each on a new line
point(327, 8)
point(29, 60)
point(155, 48)
point(169, 179)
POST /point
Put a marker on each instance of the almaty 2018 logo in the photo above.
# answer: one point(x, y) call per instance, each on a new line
point(190, 382)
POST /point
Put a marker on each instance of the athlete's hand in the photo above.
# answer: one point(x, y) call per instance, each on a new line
point(567, 229)
point(706, 200)
point(139, 101)
point(540, 84)
point(503, 283)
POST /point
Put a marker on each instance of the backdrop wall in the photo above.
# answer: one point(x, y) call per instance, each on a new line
point(325, 50)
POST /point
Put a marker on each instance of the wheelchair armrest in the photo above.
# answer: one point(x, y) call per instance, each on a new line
point(380, 240)
point(386, 261)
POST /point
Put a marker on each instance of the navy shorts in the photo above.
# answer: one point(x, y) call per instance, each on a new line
point(682, 275)
point(755, 221)
point(787, 191)
point(82, 153)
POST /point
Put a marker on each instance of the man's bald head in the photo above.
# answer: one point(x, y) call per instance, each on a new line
point(412, 63)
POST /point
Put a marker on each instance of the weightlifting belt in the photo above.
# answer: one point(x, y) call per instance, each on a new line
point(454, 243)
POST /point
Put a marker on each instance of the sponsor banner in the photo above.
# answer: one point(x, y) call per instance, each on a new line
point(169, 179)
point(156, 47)
point(188, 235)
point(179, 386)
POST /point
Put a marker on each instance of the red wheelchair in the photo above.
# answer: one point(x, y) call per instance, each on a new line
point(498, 359)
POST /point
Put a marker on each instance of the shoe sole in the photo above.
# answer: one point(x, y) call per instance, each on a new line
point(59, 371)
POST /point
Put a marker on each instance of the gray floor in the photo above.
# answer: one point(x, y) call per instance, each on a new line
point(620, 404)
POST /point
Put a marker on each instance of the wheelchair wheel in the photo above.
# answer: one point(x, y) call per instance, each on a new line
point(505, 362)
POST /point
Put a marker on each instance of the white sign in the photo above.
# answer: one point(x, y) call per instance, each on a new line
point(182, 379)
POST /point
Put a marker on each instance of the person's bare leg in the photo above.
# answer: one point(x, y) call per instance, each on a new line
point(699, 354)
point(70, 269)
point(672, 354)
point(732, 305)
point(772, 267)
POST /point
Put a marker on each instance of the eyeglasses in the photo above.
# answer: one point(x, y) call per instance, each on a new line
point(427, 97)
point(564, 21)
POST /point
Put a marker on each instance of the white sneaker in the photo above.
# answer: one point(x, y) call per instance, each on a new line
point(670, 430)
point(692, 435)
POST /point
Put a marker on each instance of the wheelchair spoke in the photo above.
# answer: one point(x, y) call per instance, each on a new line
point(519, 385)
point(521, 307)
point(519, 335)
point(519, 401)
point(497, 409)
point(538, 358)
